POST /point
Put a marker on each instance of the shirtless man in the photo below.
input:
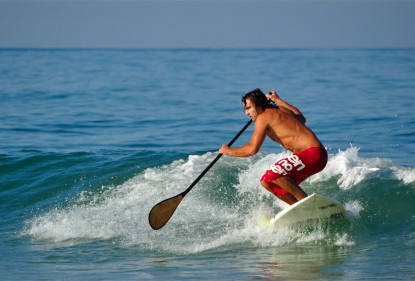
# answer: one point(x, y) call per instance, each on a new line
point(284, 124)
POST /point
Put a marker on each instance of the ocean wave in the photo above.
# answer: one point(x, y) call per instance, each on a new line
point(224, 208)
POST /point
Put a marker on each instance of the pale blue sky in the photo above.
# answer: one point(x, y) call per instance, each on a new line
point(207, 24)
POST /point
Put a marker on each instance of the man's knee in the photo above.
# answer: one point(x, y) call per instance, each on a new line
point(284, 180)
point(266, 185)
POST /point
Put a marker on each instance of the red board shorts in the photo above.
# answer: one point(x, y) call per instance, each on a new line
point(298, 166)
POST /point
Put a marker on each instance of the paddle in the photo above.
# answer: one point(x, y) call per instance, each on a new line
point(162, 212)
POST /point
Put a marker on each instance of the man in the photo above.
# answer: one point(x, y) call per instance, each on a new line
point(284, 124)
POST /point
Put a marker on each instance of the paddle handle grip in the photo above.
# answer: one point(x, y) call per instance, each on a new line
point(215, 160)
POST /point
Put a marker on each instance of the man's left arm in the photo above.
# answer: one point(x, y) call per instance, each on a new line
point(286, 107)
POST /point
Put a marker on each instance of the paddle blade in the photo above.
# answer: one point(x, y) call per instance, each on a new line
point(162, 212)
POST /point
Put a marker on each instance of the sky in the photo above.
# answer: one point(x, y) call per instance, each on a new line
point(207, 24)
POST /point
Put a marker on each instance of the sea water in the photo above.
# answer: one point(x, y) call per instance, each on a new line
point(91, 139)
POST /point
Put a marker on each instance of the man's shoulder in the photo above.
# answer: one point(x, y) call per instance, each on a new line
point(271, 113)
point(271, 110)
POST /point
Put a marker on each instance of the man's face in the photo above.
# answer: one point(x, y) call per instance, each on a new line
point(250, 110)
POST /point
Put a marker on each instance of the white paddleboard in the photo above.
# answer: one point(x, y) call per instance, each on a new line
point(314, 207)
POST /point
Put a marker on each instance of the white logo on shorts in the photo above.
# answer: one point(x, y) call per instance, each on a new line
point(283, 167)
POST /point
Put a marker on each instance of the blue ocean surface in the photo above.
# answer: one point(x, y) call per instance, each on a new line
point(92, 139)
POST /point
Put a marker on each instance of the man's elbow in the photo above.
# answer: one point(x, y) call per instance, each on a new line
point(252, 152)
point(300, 118)
point(303, 119)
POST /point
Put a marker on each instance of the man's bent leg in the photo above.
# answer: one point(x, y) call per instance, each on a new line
point(289, 185)
point(287, 198)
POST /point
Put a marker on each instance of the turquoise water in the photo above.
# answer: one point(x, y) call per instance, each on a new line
point(90, 140)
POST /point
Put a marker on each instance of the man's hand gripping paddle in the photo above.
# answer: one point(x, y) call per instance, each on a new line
point(163, 211)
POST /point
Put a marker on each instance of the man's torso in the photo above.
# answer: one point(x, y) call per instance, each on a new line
point(285, 129)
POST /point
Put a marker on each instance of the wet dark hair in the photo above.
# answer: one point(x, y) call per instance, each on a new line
point(258, 98)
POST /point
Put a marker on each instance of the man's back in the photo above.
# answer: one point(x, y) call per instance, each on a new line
point(284, 128)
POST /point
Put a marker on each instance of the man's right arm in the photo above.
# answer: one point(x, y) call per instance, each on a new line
point(252, 147)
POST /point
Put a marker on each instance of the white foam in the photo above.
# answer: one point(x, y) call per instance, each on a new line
point(121, 212)
point(405, 174)
point(344, 240)
point(354, 208)
point(351, 169)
